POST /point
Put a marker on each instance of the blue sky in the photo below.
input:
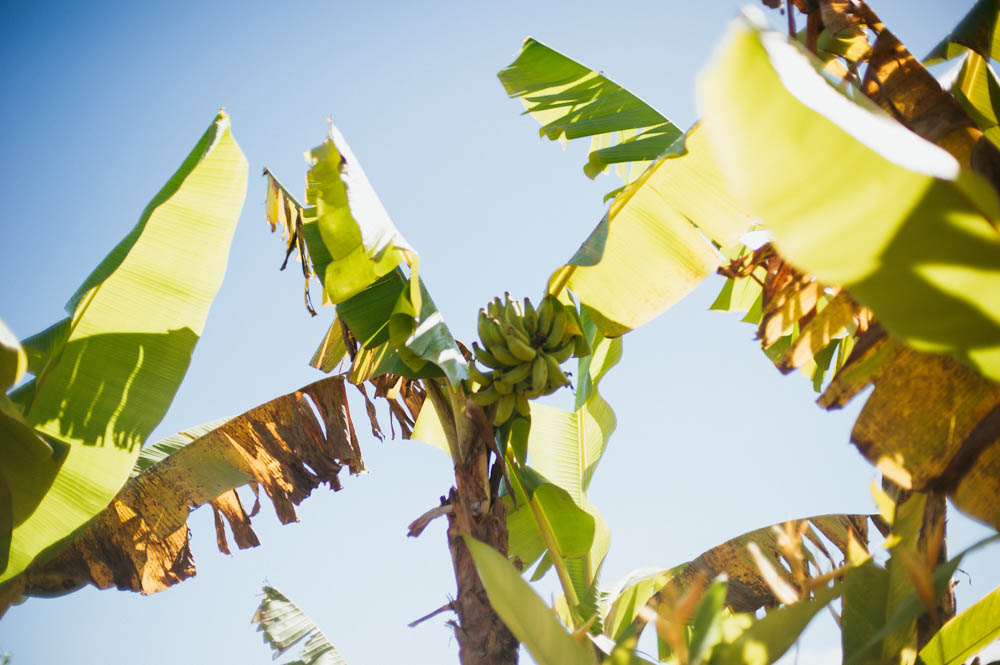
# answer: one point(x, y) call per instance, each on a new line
point(101, 103)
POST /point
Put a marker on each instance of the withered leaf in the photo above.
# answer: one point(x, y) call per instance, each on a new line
point(748, 590)
point(287, 446)
point(931, 423)
point(819, 332)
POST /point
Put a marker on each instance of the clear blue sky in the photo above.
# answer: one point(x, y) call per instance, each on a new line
point(103, 100)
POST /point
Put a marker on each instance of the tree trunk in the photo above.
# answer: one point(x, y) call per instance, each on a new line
point(483, 638)
point(477, 511)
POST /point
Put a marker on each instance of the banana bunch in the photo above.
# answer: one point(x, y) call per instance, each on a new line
point(523, 348)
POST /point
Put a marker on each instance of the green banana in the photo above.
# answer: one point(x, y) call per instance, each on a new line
point(517, 374)
point(557, 378)
point(495, 308)
point(485, 357)
point(512, 317)
point(482, 378)
point(544, 315)
point(502, 353)
point(562, 353)
point(520, 348)
point(558, 329)
point(530, 319)
point(539, 373)
point(521, 404)
point(485, 397)
point(503, 387)
point(505, 409)
point(581, 347)
point(489, 332)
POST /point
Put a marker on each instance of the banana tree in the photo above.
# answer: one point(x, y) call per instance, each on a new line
point(104, 376)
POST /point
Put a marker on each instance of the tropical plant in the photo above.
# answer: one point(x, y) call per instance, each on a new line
point(105, 375)
point(863, 253)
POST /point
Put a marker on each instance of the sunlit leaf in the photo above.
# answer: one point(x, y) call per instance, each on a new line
point(977, 30)
point(286, 447)
point(528, 618)
point(284, 625)
point(965, 634)
point(571, 101)
point(654, 245)
point(767, 639)
point(748, 590)
point(134, 325)
point(908, 232)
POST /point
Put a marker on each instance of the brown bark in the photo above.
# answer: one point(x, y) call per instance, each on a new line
point(476, 510)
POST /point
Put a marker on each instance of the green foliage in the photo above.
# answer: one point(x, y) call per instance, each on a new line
point(284, 625)
point(105, 377)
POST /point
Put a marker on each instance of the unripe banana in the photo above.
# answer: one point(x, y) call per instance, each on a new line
point(581, 347)
point(545, 312)
point(488, 332)
point(495, 308)
point(563, 353)
point(539, 373)
point(503, 387)
point(517, 374)
point(502, 353)
point(485, 357)
point(485, 397)
point(521, 349)
point(558, 329)
point(482, 378)
point(512, 317)
point(530, 319)
point(557, 378)
point(521, 404)
point(505, 409)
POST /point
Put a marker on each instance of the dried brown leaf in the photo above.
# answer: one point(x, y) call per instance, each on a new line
point(786, 309)
point(140, 541)
point(931, 423)
point(819, 332)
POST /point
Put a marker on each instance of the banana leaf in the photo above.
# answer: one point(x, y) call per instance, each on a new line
point(345, 237)
point(571, 101)
point(284, 625)
point(108, 379)
point(529, 619)
point(966, 634)
point(911, 234)
point(977, 30)
point(288, 447)
point(977, 89)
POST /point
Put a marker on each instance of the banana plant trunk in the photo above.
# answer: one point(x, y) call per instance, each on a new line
point(483, 638)
point(477, 511)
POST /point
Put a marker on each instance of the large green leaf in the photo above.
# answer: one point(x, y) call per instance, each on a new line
point(533, 623)
point(644, 255)
point(966, 634)
point(572, 101)
point(284, 625)
point(133, 328)
point(360, 241)
point(978, 30)
point(908, 232)
point(655, 243)
point(354, 249)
